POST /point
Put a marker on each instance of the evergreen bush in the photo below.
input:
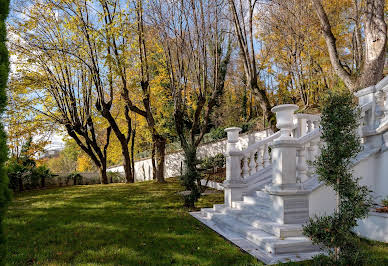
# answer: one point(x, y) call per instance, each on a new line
point(340, 120)
point(4, 68)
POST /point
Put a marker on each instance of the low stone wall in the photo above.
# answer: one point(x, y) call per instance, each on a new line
point(87, 179)
point(374, 227)
point(212, 184)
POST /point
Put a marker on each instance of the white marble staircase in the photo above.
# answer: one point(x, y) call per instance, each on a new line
point(247, 218)
point(271, 191)
point(250, 222)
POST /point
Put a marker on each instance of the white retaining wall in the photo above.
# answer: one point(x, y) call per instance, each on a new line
point(374, 227)
point(174, 161)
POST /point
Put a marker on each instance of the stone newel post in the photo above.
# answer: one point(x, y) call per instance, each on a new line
point(234, 184)
point(284, 148)
point(290, 202)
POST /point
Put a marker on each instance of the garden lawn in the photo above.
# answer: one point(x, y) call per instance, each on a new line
point(116, 224)
point(122, 224)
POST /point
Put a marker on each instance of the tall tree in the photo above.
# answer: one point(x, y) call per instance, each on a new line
point(4, 69)
point(369, 45)
point(159, 141)
point(198, 53)
point(84, 36)
point(242, 13)
point(61, 81)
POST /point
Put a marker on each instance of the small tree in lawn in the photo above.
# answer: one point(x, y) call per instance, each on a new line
point(340, 120)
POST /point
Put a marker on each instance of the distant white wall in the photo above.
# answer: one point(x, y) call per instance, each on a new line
point(174, 165)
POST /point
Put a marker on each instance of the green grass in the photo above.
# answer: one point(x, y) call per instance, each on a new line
point(122, 224)
point(117, 224)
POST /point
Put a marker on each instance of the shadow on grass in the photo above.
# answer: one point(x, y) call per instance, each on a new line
point(125, 224)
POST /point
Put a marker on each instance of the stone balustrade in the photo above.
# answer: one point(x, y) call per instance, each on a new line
point(297, 138)
point(257, 156)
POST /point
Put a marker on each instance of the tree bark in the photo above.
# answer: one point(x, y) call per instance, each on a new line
point(375, 44)
point(132, 154)
point(160, 144)
point(103, 175)
point(127, 164)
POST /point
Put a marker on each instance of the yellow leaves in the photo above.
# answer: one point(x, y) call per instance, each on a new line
point(84, 162)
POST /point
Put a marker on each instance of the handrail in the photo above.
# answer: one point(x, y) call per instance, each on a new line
point(308, 117)
point(263, 142)
point(309, 136)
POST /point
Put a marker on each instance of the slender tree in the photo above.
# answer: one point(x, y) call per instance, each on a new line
point(197, 53)
point(71, 36)
point(340, 121)
point(4, 69)
point(159, 141)
point(242, 15)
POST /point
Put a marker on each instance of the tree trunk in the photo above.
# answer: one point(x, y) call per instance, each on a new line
point(127, 164)
point(375, 42)
point(160, 144)
point(103, 175)
point(153, 160)
point(191, 178)
point(132, 154)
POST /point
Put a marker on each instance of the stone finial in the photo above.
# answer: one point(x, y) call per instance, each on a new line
point(232, 133)
point(285, 119)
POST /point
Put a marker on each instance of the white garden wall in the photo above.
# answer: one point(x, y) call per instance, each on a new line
point(174, 161)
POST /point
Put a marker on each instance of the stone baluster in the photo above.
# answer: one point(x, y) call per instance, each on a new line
point(259, 159)
point(386, 105)
point(316, 124)
point(380, 108)
point(310, 158)
point(245, 168)
point(266, 157)
point(234, 185)
point(299, 127)
point(252, 163)
point(309, 126)
point(301, 164)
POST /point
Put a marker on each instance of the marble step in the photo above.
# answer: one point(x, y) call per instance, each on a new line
point(268, 242)
point(262, 222)
point(255, 200)
point(252, 248)
point(269, 226)
point(262, 210)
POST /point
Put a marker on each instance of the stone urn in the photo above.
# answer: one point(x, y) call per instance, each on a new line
point(285, 119)
point(233, 137)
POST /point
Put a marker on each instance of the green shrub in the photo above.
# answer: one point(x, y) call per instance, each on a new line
point(212, 162)
point(339, 124)
point(76, 177)
point(115, 177)
point(217, 133)
point(24, 175)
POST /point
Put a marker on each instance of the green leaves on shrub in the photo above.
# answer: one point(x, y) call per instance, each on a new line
point(211, 162)
point(24, 175)
point(340, 120)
